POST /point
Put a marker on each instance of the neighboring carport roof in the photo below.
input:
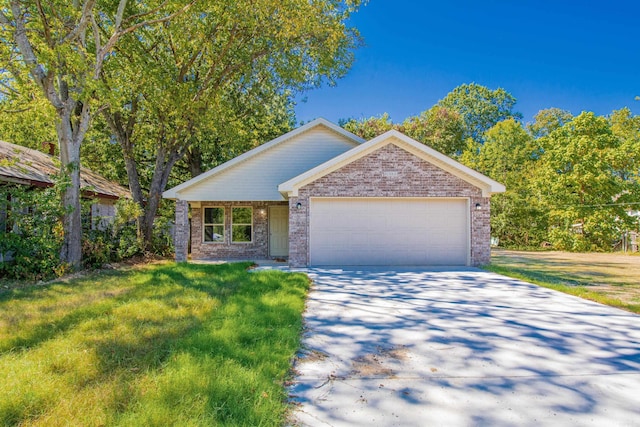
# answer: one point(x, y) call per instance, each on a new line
point(488, 185)
point(26, 166)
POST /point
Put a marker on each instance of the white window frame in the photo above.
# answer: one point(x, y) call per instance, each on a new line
point(212, 224)
point(233, 224)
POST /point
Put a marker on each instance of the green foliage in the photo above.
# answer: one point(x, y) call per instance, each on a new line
point(216, 81)
point(546, 121)
point(626, 127)
point(439, 127)
point(117, 240)
point(27, 119)
point(159, 345)
point(32, 232)
point(161, 239)
point(581, 181)
point(61, 48)
point(508, 154)
point(480, 108)
point(368, 128)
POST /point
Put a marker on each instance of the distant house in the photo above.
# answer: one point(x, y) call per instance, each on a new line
point(24, 166)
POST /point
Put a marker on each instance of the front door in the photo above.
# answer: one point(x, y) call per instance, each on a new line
point(279, 231)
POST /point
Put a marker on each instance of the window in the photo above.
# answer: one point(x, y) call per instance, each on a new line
point(242, 224)
point(213, 224)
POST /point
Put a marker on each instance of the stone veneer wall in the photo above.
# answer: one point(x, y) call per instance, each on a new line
point(388, 172)
point(257, 249)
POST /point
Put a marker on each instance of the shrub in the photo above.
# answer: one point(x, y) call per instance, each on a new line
point(32, 233)
point(115, 242)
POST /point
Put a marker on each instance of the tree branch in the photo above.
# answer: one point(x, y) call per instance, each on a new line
point(45, 25)
point(4, 20)
point(119, 13)
point(42, 78)
point(85, 19)
point(119, 33)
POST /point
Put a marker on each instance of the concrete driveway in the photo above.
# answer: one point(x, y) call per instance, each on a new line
point(461, 347)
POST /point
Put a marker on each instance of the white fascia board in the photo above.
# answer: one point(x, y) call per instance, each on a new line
point(173, 193)
point(488, 185)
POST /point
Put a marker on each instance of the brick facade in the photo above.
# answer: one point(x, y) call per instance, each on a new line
point(389, 171)
point(258, 248)
point(181, 235)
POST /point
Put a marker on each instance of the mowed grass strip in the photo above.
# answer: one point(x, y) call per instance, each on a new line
point(567, 283)
point(162, 345)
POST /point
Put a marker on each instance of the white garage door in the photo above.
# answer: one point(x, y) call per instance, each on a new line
point(372, 231)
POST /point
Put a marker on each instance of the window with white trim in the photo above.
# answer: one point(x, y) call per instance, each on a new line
point(242, 225)
point(213, 225)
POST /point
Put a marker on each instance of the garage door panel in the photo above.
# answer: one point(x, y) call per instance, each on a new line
point(388, 232)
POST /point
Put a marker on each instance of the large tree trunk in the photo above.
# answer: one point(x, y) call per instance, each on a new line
point(194, 161)
point(165, 160)
point(71, 251)
point(123, 131)
point(71, 127)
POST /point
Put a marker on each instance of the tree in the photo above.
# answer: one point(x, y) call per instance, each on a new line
point(63, 46)
point(546, 121)
point(26, 117)
point(438, 127)
point(244, 123)
point(480, 108)
point(626, 126)
point(370, 127)
point(508, 154)
point(194, 72)
point(581, 181)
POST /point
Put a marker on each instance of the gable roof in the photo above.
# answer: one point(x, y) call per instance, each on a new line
point(32, 167)
point(489, 186)
point(255, 175)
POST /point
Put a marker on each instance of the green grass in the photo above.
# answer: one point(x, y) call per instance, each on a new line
point(563, 283)
point(162, 345)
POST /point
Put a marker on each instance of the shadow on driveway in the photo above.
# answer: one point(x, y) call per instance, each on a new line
point(461, 347)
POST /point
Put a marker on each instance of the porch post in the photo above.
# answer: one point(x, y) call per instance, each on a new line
point(181, 237)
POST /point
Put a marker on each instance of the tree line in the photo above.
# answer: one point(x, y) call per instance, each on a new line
point(573, 182)
point(138, 89)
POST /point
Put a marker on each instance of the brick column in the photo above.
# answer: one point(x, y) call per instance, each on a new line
point(181, 237)
point(298, 232)
point(480, 231)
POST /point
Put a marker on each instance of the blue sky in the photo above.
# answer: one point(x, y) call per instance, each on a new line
point(574, 55)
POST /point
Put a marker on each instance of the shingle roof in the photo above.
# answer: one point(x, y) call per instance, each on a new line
point(33, 167)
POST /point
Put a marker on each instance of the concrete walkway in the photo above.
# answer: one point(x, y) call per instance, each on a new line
point(462, 347)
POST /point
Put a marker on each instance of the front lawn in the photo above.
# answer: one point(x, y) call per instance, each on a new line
point(161, 345)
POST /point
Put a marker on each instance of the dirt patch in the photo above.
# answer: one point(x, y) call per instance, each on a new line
point(373, 364)
point(370, 365)
point(613, 275)
point(312, 355)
